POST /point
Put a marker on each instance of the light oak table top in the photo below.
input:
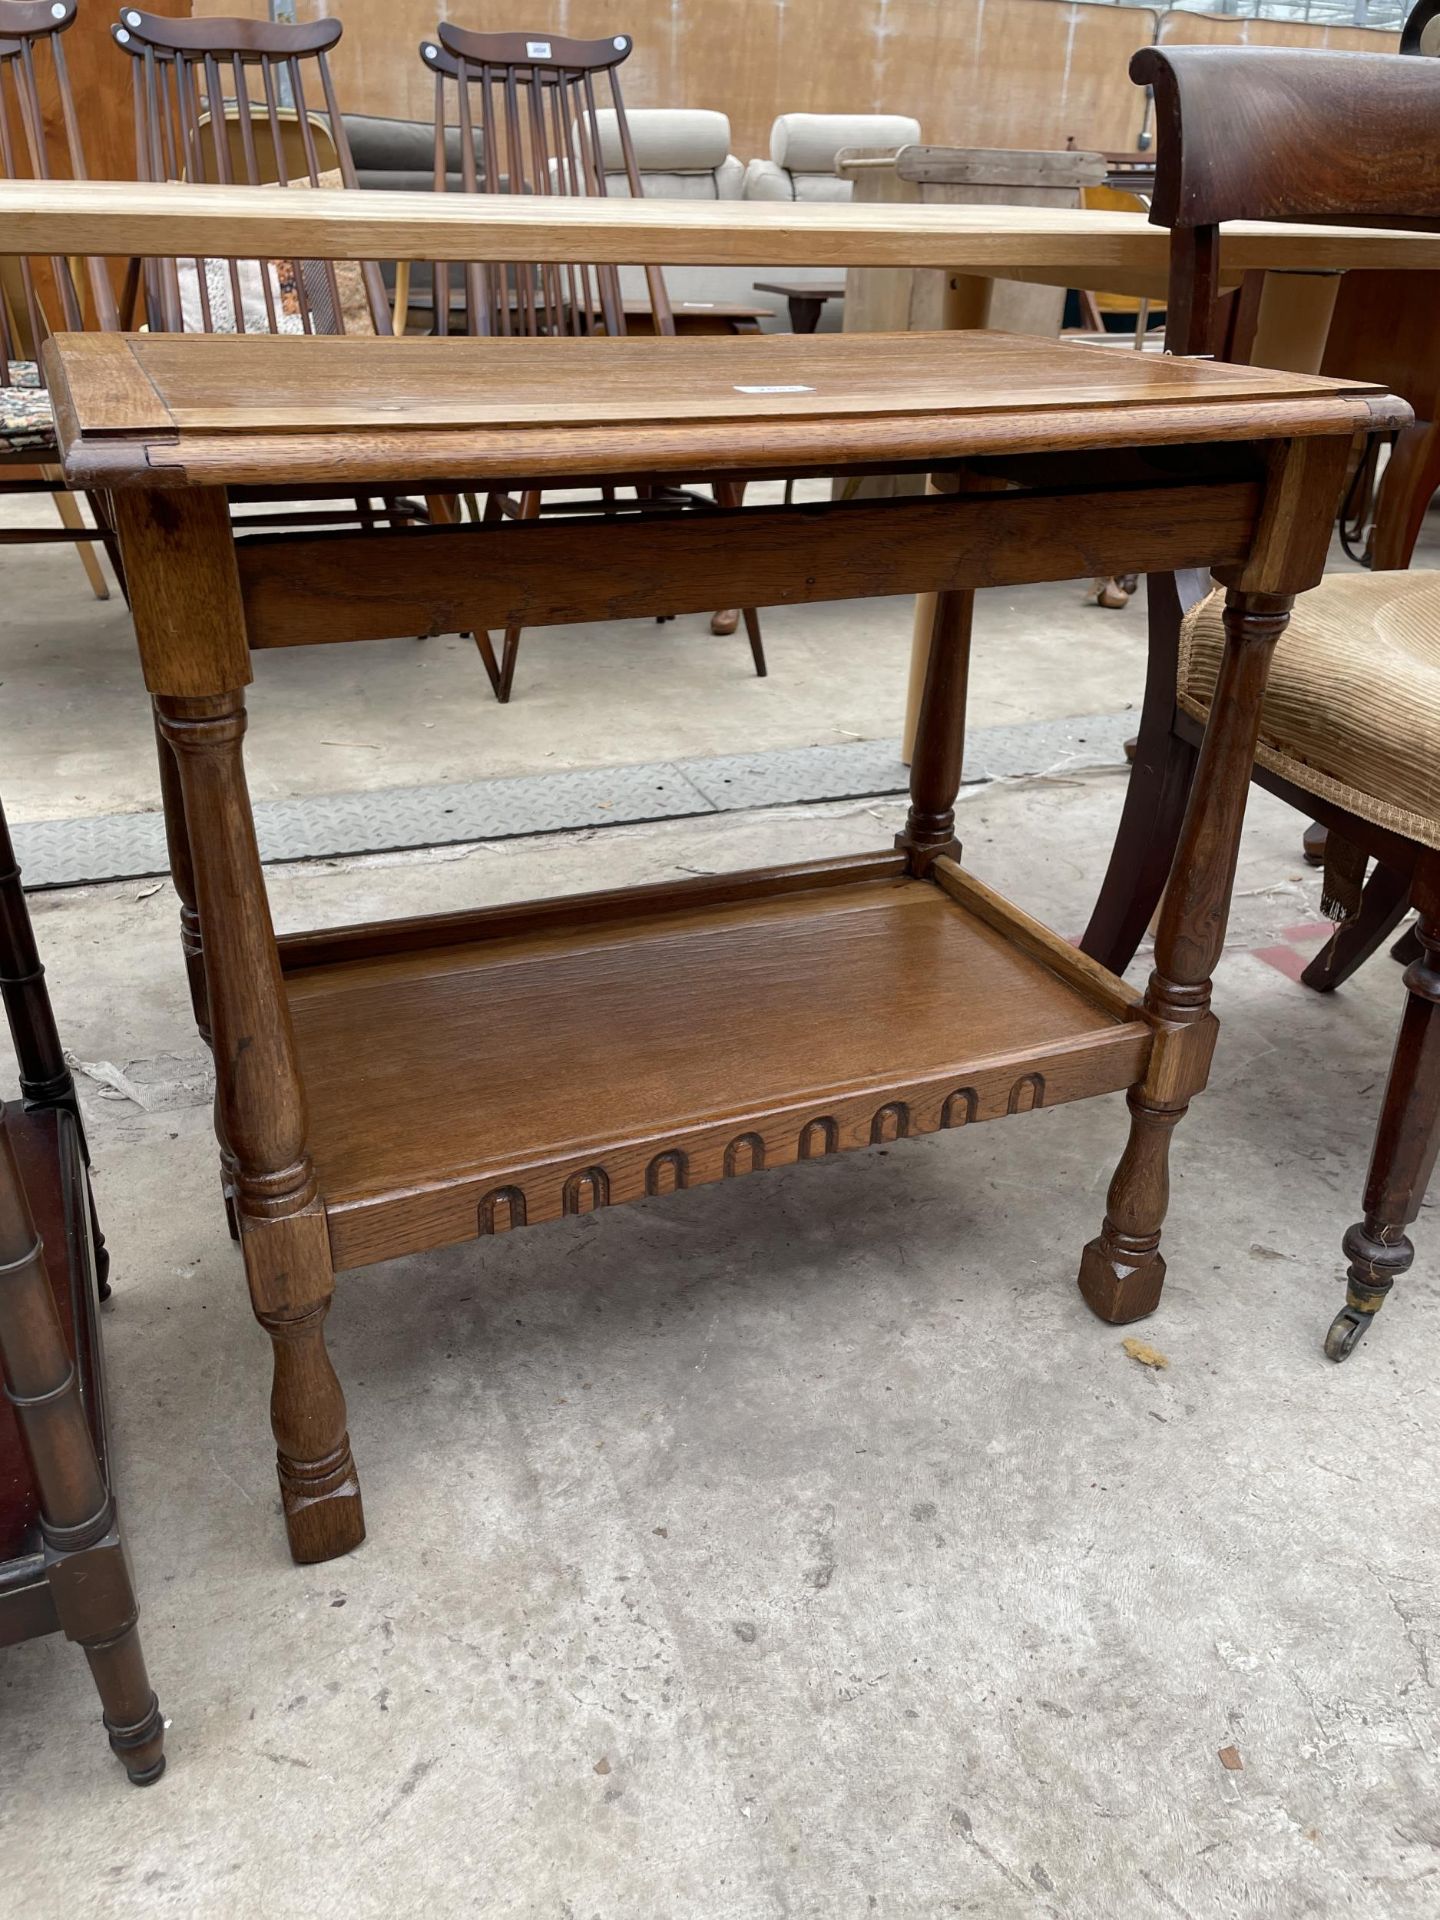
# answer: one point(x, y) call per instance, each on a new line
point(220, 409)
point(124, 217)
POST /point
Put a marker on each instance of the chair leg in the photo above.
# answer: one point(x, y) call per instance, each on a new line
point(1384, 906)
point(68, 509)
point(1406, 490)
point(502, 677)
point(1407, 948)
point(731, 493)
point(757, 645)
point(1406, 1141)
point(1155, 800)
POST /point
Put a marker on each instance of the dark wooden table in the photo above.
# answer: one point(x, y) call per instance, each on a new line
point(805, 299)
point(388, 1088)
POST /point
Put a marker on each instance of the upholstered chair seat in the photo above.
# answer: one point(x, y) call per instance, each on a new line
point(1352, 707)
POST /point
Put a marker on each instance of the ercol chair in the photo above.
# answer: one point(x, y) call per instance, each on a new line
point(37, 295)
point(1351, 726)
point(530, 122)
point(62, 1565)
point(226, 102)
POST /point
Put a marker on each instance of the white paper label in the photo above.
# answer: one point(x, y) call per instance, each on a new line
point(538, 49)
point(774, 389)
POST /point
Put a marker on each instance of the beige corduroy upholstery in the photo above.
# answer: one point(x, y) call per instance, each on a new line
point(1352, 708)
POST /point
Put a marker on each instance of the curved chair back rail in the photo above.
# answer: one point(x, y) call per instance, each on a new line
point(1271, 133)
point(530, 122)
point(35, 295)
point(226, 101)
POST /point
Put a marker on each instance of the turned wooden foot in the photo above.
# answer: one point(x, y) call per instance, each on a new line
point(1122, 1271)
point(319, 1487)
point(1378, 1248)
point(131, 1712)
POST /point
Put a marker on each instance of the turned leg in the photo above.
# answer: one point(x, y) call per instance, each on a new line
point(1122, 1270)
point(192, 945)
point(937, 759)
point(1378, 1248)
point(261, 1105)
point(85, 1562)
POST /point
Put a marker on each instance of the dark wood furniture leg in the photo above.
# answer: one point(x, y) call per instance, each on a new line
point(1122, 1272)
point(1385, 903)
point(1410, 482)
point(45, 1079)
point(1158, 789)
point(804, 313)
point(1378, 1248)
point(85, 1566)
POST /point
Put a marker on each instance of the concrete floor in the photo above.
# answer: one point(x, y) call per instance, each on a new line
point(800, 1547)
point(796, 1549)
point(407, 712)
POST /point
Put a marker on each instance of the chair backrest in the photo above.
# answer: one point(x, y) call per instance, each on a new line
point(1272, 133)
point(34, 295)
point(224, 101)
point(530, 123)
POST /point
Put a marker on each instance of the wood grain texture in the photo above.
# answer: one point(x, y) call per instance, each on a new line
point(249, 222)
point(331, 408)
point(560, 1067)
point(303, 590)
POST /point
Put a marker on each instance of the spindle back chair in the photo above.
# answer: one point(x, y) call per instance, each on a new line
point(530, 122)
point(527, 106)
point(225, 101)
point(38, 295)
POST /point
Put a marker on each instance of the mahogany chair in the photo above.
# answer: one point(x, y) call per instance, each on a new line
point(62, 1563)
point(1351, 727)
point(530, 122)
point(36, 295)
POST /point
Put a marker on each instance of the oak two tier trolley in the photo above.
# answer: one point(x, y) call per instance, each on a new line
point(388, 1088)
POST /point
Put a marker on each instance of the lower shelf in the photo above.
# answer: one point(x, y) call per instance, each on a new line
point(471, 1075)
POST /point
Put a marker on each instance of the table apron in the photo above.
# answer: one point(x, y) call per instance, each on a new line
point(303, 590)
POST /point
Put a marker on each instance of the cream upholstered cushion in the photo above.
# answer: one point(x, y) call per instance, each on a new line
point(809, 142)
point(1352, 708)
point(765, 181)
point(719, 183)
point(666, 139)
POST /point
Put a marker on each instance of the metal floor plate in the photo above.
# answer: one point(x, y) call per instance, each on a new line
point(129, 846)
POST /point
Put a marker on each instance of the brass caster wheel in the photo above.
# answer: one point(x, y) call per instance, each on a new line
point(1347, 1330)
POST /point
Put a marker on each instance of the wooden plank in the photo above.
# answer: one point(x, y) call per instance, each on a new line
point(381, 939)
point(226, 383)
point(329, 588)
point(1084, 974)
point(65, 216)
